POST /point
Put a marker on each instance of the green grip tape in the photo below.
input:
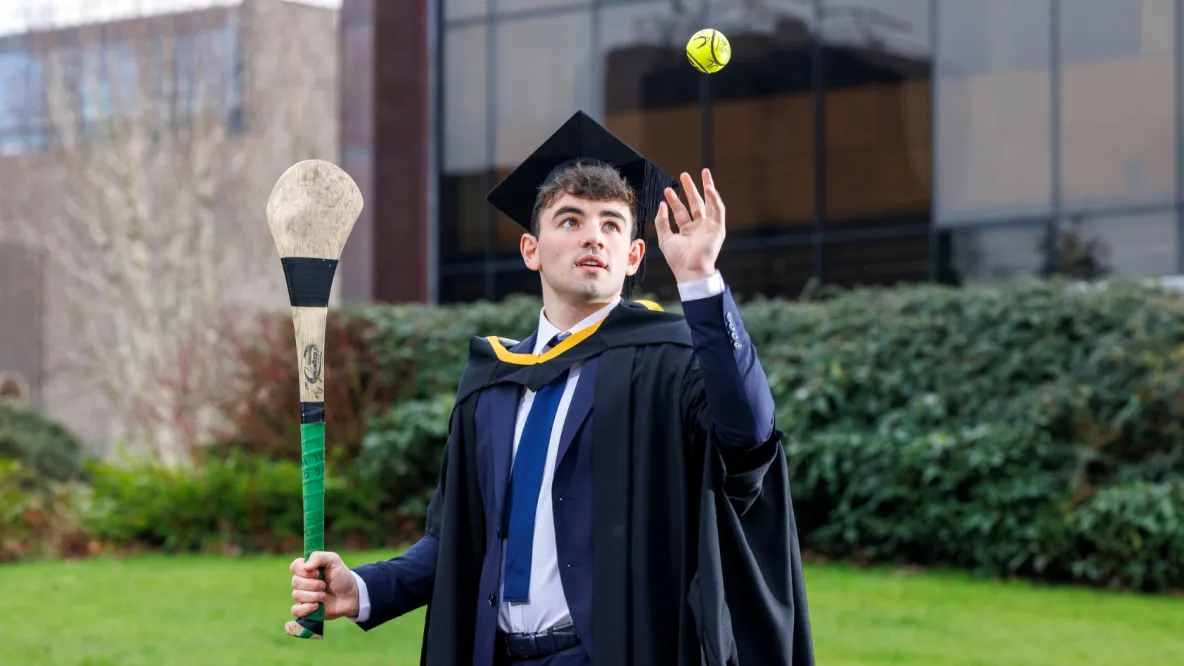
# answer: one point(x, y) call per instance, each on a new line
point(312, 464)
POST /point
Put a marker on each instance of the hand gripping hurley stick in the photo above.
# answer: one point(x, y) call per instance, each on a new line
point(311, 211)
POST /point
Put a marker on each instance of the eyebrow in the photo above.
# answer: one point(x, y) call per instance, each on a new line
point(573, 210)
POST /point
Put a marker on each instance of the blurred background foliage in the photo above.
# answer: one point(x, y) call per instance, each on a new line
point(1027, 429)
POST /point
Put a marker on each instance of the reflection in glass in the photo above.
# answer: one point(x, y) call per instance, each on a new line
point(1117, 102)
point(762, 118)
point(771, 272)
point(462, 288)
point(544, 75)
point(465, 162)
point(462, 9)
point(1132, 245)
point(649, 94)
point(993, 120)
point(877, 122)
point(877, 261)
point(507, 6)
point(524, 281)
point(993, 254)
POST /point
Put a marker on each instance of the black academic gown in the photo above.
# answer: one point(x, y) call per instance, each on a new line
point(693, 563)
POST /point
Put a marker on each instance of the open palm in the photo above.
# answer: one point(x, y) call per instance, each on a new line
point(692, 250)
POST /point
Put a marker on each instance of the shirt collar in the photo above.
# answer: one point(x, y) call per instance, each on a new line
point(547, 330)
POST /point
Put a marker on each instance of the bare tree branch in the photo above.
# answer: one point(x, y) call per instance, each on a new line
point(147, 236)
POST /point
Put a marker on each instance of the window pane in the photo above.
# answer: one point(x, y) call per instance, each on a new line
point(648, 95)
point(464, 217)
point(22, 110)
point(506, 6)
point(993, 127)
point(877, 81)
point(462, 9)
point(771, 272)
point(1118, 102)
point(462, 288)
point(659, 283)
point(465, 97)
point(509, 283)
point(543, 72)
point(992, 254)
point(877, 262)
point(1129, 245)
point(464, 180)
point(762, 117)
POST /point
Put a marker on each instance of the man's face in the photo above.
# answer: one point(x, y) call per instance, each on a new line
point(584, 249)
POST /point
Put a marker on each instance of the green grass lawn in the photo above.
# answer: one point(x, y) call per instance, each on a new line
point(182, 611)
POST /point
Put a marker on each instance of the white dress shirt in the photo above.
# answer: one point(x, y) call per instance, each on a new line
point(548, 604)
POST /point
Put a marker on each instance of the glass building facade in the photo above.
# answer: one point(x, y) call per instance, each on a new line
point(855, 142)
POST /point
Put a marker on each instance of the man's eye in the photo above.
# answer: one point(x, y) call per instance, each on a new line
point(613, 226)
point(571, 221)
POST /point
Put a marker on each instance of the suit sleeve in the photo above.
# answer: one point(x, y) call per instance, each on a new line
point(399, 585)
point(738, 398)
point(726, 395)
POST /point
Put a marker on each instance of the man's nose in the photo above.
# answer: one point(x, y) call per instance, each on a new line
point(593, 238)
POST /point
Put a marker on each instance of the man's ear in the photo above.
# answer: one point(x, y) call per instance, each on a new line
point(528, 245)
point(636, 253)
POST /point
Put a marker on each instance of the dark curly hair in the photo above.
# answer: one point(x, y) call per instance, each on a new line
point(596, 182)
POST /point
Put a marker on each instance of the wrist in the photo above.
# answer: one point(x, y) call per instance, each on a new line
point(686, 275)
point(353, 603)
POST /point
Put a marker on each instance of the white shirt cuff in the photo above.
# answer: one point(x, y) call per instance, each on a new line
point(363, 600)
point(705, 288)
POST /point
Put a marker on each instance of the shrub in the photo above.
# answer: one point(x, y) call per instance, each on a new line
point(260, 408)
point(239, 503)
point(1131, 535)
point(402, 453)
point(43, 445)
point(40, 518)
point(1031, 428)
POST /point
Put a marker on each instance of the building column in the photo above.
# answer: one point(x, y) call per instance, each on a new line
point(386, 137)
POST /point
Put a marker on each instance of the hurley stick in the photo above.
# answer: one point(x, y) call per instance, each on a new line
point(311, 212)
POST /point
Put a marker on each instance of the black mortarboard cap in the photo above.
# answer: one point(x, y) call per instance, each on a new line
point(582, 139)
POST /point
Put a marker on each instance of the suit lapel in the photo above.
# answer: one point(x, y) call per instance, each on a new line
point(577, 411)
point(503, 405)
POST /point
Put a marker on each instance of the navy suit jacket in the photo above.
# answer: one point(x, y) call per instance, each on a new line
point(741, 407)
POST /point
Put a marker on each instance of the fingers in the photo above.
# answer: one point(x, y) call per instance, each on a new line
point(715, 203)
point(300, 610)
point(694, 201)
point(310, 584)
point(662, 224)
point(306, 597)
point(681, 216)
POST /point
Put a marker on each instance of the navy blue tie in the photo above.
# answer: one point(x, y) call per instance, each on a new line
point(525, 482)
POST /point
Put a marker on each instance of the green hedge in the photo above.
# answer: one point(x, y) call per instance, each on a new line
point(1030, 429)
point(240, 503)
point(39, 443)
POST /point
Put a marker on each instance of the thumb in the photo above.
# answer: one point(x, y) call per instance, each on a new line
point(317, 560)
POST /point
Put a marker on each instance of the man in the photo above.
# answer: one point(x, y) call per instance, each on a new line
point(613, 490)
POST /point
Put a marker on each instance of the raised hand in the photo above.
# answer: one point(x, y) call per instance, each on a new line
point(692, 250)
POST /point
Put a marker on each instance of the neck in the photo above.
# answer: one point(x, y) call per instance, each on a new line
point(564, 314)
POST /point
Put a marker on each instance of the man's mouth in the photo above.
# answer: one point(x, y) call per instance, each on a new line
point(591, 263)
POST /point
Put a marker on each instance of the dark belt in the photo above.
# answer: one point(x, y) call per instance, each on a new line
point(539, 644)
